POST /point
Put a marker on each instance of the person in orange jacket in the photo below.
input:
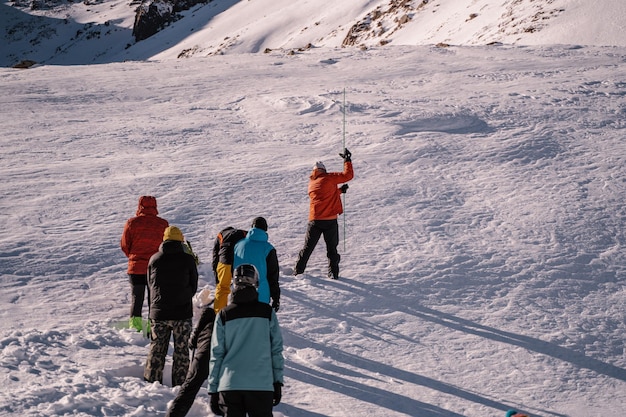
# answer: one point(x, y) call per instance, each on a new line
point(140, 240)
point(325, 206)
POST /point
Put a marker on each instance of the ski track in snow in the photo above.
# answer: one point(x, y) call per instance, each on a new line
point(483, 266)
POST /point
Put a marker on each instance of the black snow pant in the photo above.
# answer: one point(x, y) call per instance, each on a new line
point(315, 229)
point(246, 403)
point(138, 290)
point(198, 373)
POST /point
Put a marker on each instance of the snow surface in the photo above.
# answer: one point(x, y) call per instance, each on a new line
point(483, 265)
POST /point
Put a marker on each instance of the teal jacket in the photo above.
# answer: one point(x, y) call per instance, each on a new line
point(256, 250)
point(246, 346)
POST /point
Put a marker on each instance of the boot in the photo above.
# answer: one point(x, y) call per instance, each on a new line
point(135, 323)
point(146, 329)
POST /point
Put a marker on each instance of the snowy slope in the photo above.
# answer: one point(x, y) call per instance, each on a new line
point(484, 253)
point(101, 31)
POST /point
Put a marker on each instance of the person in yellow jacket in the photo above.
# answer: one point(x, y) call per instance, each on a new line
point(325, 206)
point(223, 255)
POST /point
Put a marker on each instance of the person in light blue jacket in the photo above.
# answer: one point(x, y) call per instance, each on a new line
point(246, 365)
point(256, 250)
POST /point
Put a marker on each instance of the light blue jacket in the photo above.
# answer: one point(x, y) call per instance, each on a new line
point(256, 250)
point(246, 348)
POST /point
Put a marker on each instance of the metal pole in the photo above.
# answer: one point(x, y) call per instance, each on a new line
point(344, 147)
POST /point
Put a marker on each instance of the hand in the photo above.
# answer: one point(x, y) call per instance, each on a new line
point(278, 393)
point(215, 404)
point(346, 155)
point(344, 188)
point(276, 305)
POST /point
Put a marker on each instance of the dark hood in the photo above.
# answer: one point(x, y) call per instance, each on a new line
point(171, 246)
point(245, 295)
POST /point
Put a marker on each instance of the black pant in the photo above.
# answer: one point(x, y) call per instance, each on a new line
point(138, 284)
point(315, 229)
point(246, 403)
point(198, 373)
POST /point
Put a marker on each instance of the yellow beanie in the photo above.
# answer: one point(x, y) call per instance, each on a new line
point(173, 233)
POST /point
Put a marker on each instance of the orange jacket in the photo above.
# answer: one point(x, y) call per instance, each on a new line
point(142, 235)
point(324, 193)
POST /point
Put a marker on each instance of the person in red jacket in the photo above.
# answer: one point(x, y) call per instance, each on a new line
point(140, 240)
point(325, 206)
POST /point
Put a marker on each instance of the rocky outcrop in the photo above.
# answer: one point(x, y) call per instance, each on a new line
point(150, 18)
point(153, 15)
point(382, 22)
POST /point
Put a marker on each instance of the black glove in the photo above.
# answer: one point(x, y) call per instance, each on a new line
point(278, 393)
point(215, 404)
point(275, 305)
point(193, 343)
point(346, 155)
point(344, 188)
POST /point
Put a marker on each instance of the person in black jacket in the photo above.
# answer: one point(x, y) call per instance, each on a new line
point(200, 344)
point(172, 282)
point(223, 254)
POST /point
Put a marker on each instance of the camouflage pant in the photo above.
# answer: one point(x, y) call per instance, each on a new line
point(161, 330)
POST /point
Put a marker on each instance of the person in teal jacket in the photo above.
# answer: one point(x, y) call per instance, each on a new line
point(256, 250)
point(246, 365)
point(515, 413)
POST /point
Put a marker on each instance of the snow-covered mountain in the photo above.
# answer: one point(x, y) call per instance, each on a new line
point(100, 31)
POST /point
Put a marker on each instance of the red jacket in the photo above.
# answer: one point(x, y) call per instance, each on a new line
point(324, 192)
point(142, 235)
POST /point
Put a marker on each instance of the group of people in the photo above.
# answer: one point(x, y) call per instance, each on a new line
point(237, 343)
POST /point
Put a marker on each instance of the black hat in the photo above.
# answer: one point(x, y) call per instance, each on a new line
point(260, 223)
